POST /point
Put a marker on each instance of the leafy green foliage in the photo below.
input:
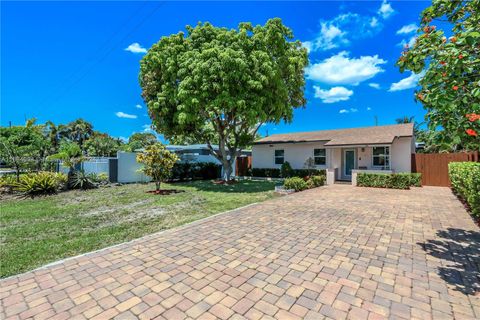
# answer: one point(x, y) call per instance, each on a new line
point(140, 140)
point(465, 180)
point(389, 180)
point(69, 153)
point(295, 183)
point(286, 170)
point(192, 171)
point(157, 162)
point(218, 84)
point(317, 181)
point(23, 147)
point(300, 184)
point(80, 180)
point(450, 82)
point(40, 183)
point(102, 145)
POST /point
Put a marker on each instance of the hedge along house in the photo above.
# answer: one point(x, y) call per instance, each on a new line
point(342, 153)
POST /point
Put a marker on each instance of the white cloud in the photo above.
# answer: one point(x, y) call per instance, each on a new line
point(138, 106)
point(340, 30)
point(368, 108)
point(385, 10)
point(406, 29)
point(341, 69)
point(124, 139)
point(147, 128)
point(121, 114)
point(410, 42)
point(374, 85)
point(335, 94)
point(348, 110)
point(406, 83)
point(136, 48)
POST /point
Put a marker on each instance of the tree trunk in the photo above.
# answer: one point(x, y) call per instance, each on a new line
point(157, 185)
point(227, 169)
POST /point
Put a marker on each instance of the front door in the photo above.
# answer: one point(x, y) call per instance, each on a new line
point(348, 162)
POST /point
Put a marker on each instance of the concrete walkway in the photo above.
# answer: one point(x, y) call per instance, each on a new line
point(331, 252)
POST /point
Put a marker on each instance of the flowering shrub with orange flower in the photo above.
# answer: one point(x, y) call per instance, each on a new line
point(449, 89)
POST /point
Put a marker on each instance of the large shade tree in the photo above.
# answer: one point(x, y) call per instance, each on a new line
point(220, 85)
point(450, 68)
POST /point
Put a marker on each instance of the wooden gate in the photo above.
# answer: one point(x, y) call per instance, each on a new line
point(434, 166)
point(243, 165)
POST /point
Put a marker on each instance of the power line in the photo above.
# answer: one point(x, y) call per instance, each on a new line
point(107, 53)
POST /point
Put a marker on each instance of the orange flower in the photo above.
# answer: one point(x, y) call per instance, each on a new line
point(453, 39)
point(460, 56)
point(442, 63)
point(471, 132)
point(472, 117)
point(455, 88)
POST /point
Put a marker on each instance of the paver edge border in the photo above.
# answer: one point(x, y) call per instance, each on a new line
point(54, 263)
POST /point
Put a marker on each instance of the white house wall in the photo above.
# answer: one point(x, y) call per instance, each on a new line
point(263, 155)
point(401, 154)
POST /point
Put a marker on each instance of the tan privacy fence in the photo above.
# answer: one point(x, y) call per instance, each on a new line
point(434, 166)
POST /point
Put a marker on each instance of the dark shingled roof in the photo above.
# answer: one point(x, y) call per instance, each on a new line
point(340, 137)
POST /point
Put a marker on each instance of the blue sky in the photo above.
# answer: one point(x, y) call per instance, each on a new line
point(65, 60)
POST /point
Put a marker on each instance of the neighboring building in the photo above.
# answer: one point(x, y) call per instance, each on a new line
point(129, 168)
point(343, 152)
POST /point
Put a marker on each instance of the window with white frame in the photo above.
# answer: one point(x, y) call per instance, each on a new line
point(279, 156)
point(381, 157)
point(320, 157)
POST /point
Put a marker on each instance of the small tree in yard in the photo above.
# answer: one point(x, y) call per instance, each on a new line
point(449, 71)
point(220, 85)
point(157, 163)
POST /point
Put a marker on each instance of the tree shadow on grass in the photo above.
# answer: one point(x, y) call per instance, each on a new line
point(243, 186)
point(462, 248)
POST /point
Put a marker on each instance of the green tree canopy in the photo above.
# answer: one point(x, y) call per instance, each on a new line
point(102, 145)
point(217, 84)
point(23, 147)
point(450, 82)
point(140, 140)
point(77, 131)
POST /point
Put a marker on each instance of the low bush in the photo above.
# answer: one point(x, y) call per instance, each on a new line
point(266, 172)
point(465, 181)
point(295, 183)
point(300, 184)
point(286, 170)
point(195, 171)
point(7, 182)
point(80, 180)
point(100, 178)
point(389, 180)
point(40, 183)
point(317, 181)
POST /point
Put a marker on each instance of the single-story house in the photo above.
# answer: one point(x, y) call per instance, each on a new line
point(342, 152)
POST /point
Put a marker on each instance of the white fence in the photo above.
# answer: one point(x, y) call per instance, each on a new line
point(94, 165)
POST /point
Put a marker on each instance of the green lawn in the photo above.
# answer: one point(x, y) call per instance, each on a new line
point(37, 231)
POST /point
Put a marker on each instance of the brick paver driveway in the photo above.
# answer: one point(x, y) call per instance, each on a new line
point(332, 252)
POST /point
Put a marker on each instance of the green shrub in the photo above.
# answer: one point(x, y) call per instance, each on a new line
point(80, 180)
point(317, 181)
point(191, 171)
point(100, 178)
point(286, 170)
point(295, 183)
point(388, 180)
point(266, 172)
point(7, 180)
point(465, 181)
point(39, 183)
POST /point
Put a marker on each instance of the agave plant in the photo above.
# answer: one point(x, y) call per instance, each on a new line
point(80, 180)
